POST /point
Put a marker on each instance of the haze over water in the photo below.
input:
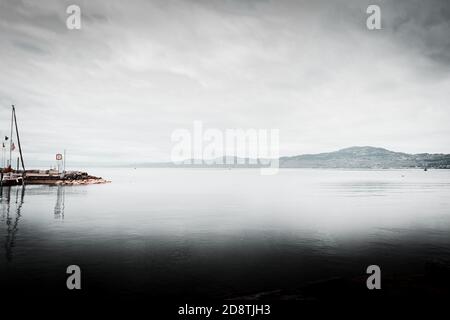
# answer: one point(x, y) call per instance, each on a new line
point(223, 233)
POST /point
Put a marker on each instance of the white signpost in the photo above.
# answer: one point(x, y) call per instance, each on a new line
point(59, 158)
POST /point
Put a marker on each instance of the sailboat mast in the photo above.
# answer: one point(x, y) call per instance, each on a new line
point(18, 139)
point(10, 136)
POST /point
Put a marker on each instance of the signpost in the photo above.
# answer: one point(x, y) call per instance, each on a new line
point(59, 159)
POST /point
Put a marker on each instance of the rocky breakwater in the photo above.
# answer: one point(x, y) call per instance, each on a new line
point(49, 177)
point(79, 177)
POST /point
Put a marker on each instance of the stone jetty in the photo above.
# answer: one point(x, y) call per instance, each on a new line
point(52, 177)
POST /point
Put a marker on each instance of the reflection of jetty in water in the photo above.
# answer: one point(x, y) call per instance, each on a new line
point(11, 202)
point(59, 205)
point(11, 216)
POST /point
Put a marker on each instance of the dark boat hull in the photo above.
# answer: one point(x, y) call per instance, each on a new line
point(12, 182)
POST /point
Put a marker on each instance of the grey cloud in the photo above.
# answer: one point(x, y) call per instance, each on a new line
point(138, 70)
point(29, 47)
point(422, 26)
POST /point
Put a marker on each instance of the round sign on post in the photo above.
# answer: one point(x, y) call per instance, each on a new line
point(58, 156)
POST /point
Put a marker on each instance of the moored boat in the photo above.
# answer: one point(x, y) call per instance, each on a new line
point(11, 179)
point(9, 176)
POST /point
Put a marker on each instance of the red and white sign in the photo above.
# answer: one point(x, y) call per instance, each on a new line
point(58, 156)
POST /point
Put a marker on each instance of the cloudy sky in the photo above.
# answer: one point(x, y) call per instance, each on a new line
point(115, 90)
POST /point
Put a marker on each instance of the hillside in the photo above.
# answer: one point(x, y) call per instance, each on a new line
point(366, 157)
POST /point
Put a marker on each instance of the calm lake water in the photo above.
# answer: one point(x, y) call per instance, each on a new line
point(222, 233)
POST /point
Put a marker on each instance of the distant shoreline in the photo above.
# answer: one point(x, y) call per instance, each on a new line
point(348, 158)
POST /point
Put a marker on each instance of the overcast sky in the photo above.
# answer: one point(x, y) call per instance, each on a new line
point(115, 90)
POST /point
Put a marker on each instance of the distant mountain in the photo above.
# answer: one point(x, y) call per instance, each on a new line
point(353, 157)
point(366, 157)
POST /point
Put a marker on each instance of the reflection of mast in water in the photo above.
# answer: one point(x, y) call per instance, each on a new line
point(59, 205)
point(12, 226)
